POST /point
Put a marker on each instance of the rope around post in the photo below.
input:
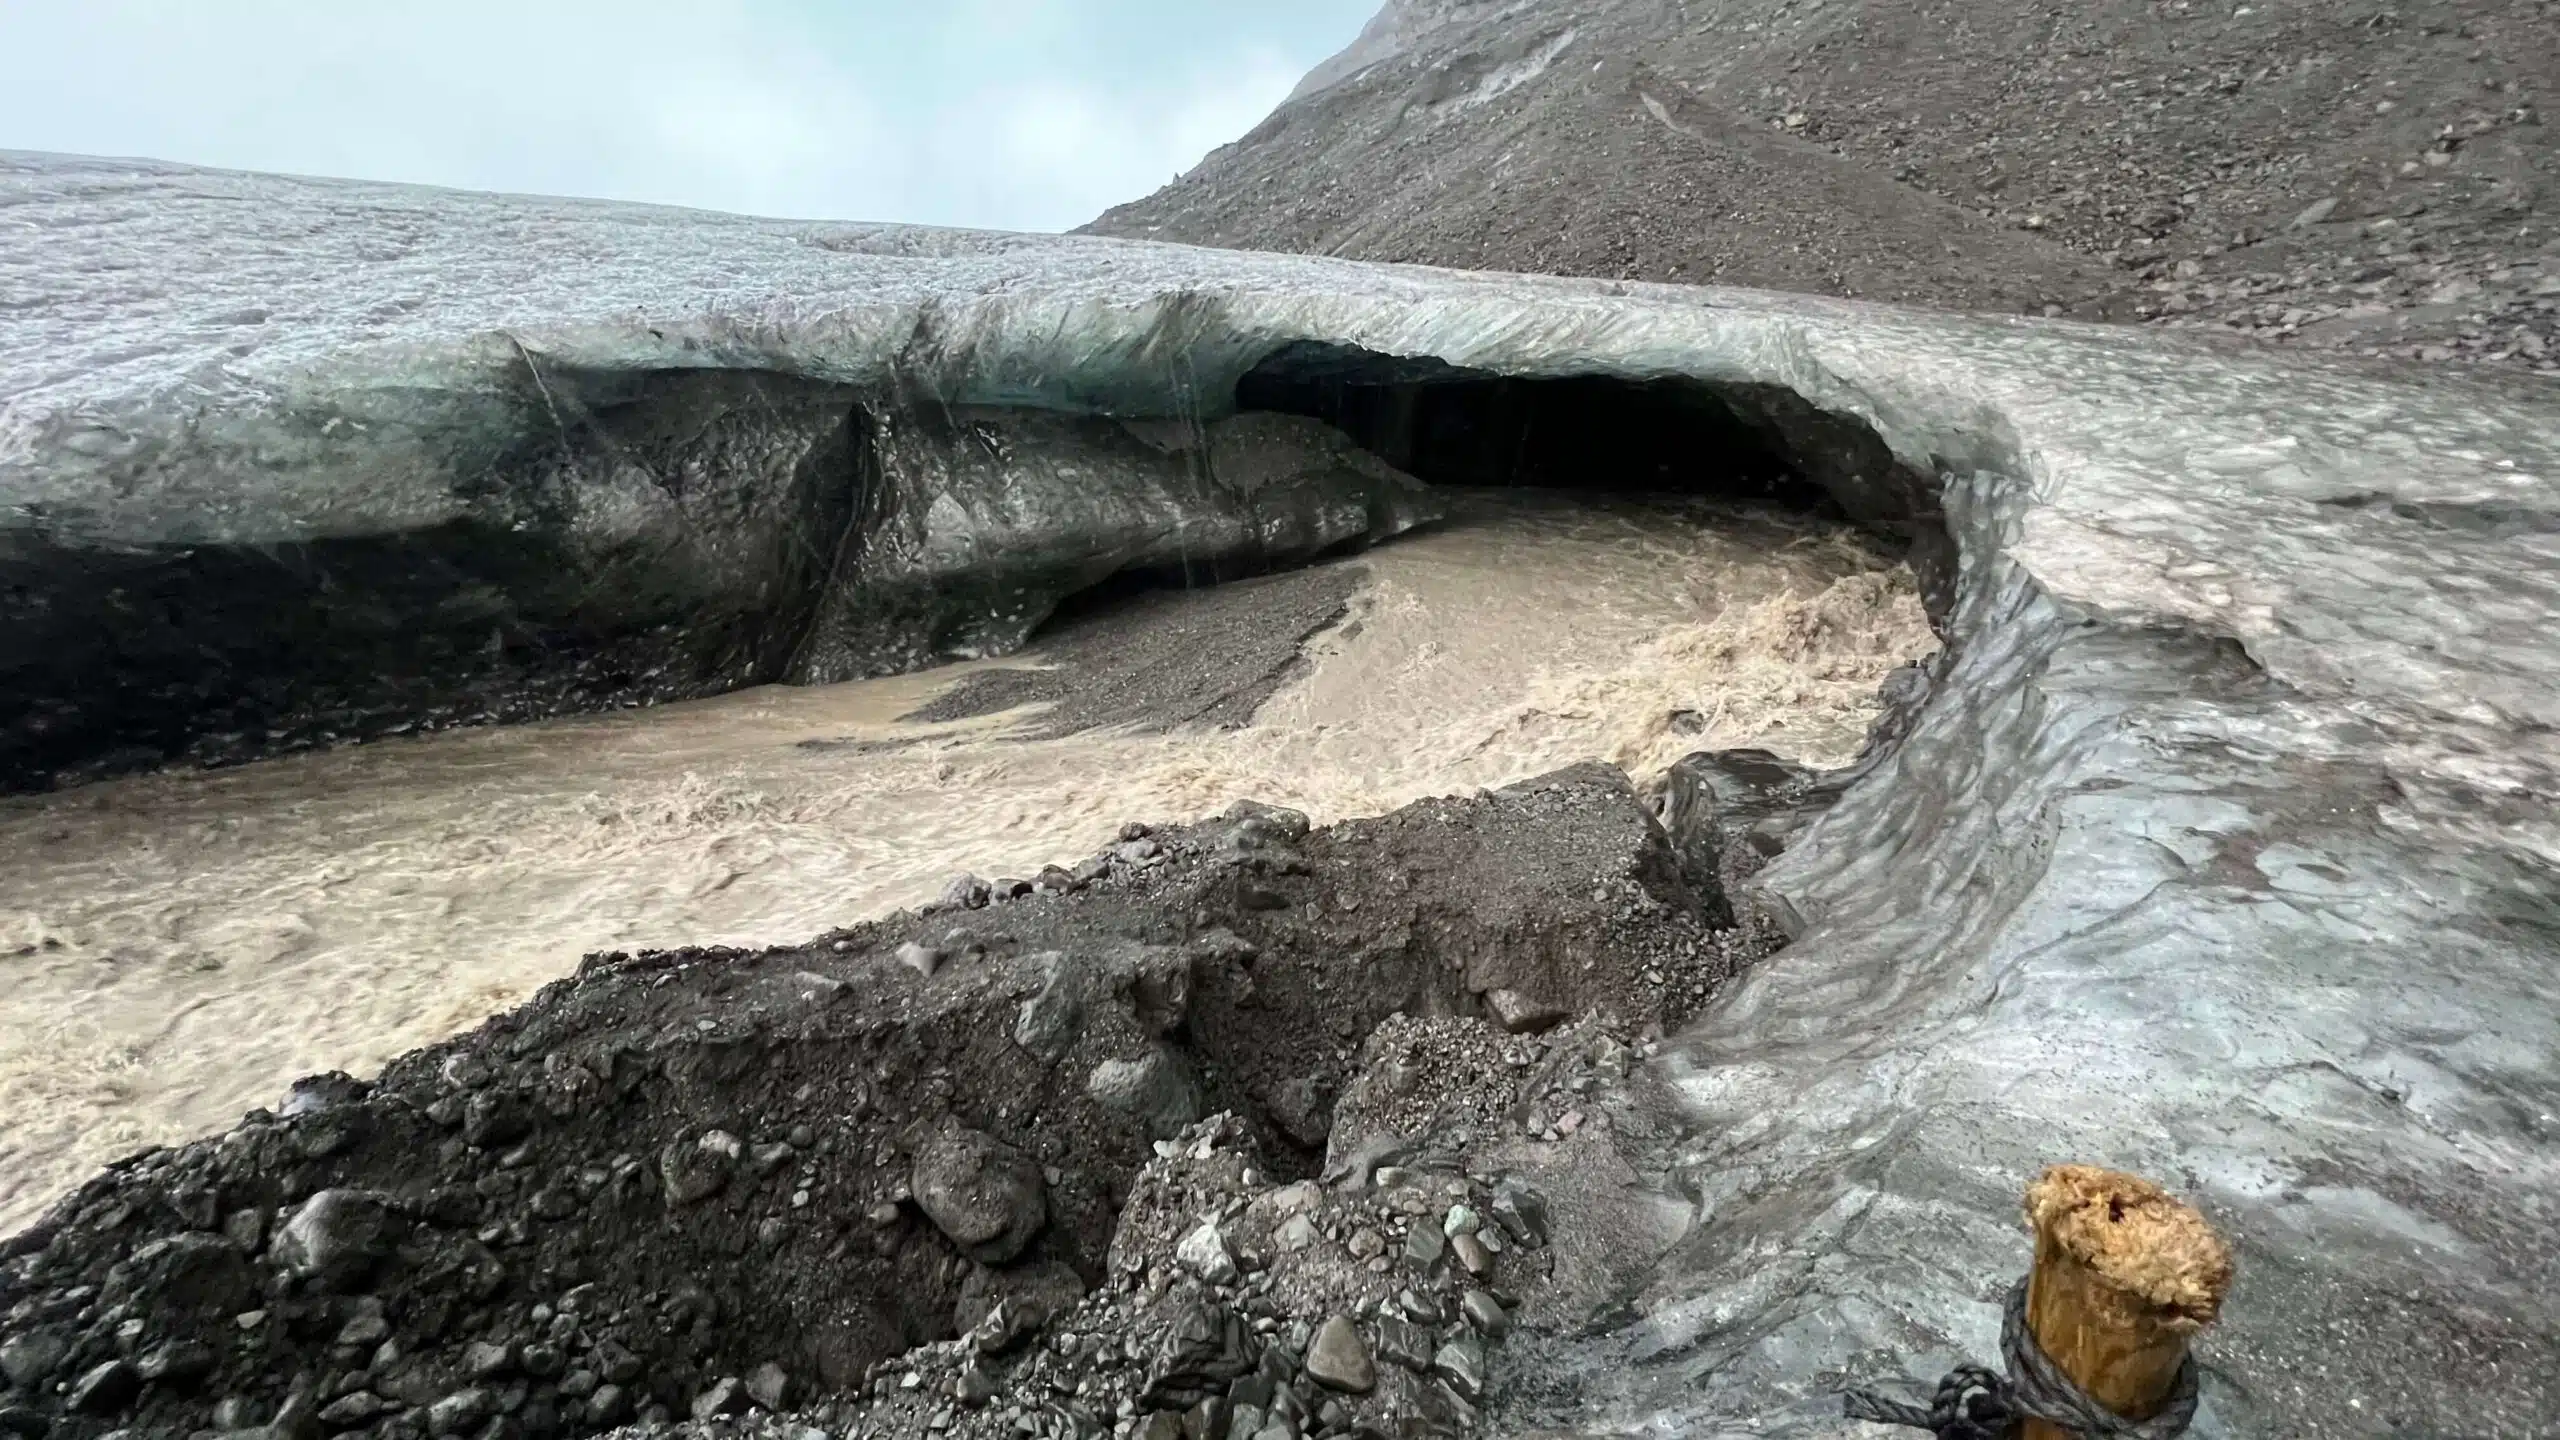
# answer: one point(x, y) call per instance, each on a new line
point(1975, 1403)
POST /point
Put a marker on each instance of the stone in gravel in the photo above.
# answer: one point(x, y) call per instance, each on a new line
point(460, 1413)
point(726, 1396)
point(18, 1420)
point(1296, 1233)
point(544, 1361)
point(1303, 1109)
point(1245, 1422)
point(1524, 1014)
point(30, 1359)
point(769, 1386)
point(337, 1237)
point(1206, 1420)
point(176, 1362)
point(1156, 1090)
point(965, 892)
point(982, 1193)
point(1162, 1425)
point(922, 959)
point(366, 1329)
point(1048, 1023)
point(1459, 1221)
point(1404, 1343)
point(349, 1412)
point(1461, 1363)
point(1485, 1313)
point(999, 1309)
point(695, 1170)
point(610, 1403)
point(1424, 1245)
point(491, 1118)
point(1204, 1253)
point(1471, 1253)
point(1522, 1211)
point(1338, 1358)
point(485, 1360)
point(104, 1388)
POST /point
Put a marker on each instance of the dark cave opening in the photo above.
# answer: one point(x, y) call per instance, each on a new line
point(1748, 443)
point(1455, 427)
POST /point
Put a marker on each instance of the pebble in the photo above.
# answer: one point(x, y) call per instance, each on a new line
point(1424, 1245)
point(1204, 1253)
point(1485, 1313)
point(1338, 1359)
point(1461, 1363)
point(922, 959)
point(1471, 1253)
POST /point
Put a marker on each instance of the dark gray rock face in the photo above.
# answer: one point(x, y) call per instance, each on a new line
point(2114, 158)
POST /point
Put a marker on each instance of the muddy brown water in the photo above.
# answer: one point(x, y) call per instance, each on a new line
point(177, 948)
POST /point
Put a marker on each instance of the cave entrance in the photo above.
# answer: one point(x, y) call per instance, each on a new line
point(1455, 427)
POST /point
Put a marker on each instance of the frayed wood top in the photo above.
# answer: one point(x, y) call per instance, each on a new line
point(2136, 1237)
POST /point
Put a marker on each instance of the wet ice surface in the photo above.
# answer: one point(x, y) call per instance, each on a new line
point(2223, 851)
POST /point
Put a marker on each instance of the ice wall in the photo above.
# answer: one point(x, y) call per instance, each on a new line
point(2221, 849)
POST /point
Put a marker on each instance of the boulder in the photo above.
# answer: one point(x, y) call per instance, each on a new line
point(982, 1193)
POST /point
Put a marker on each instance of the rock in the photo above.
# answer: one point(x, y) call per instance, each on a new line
point(1048, 1023)
point(985, 1195)
point(695, 1170)
point(1424, 1244)
point(1403, 1343)
point(1303, 1109)
point(1461, 1363)
point(2315, 212)
point(1339, 1360)
point(922, 959)
point(1472, 1253)
point(609, 1405)
point(352, 1412)
point(999, 1309)
point(486, 1360)
point(29, 1360)
point(1460, 1220)
point(1522, 1211)
point(104, 1388)
point(1162, 1425)
point(965, 892)
point(180, 1363)
point(1160, 979)
point(769, 1386)
point(725, 1396)
point(1522, 1013)
point(337, 1237)
point(491, 1118)
point(460, 1413)
point(975, 1387)
point(20, 1421)
point(1295, 1233)
point(542, 1361)
point(1207, 1420)
point(1485, 1313)
point(1156, 1090)
point(1204, 1253)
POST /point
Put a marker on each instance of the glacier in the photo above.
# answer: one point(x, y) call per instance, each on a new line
point(2220, 845)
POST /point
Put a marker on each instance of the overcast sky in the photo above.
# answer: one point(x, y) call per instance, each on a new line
point(1017, 114)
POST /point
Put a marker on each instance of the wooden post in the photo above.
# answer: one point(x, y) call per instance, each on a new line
point(2125, 1273)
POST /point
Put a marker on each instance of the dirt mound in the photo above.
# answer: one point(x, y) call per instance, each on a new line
point(2368, 178)
point(704, 1181)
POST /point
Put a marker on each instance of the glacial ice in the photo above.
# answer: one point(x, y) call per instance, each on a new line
point(2221, 846)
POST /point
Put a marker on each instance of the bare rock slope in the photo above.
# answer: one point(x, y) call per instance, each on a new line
point(2374, 178)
